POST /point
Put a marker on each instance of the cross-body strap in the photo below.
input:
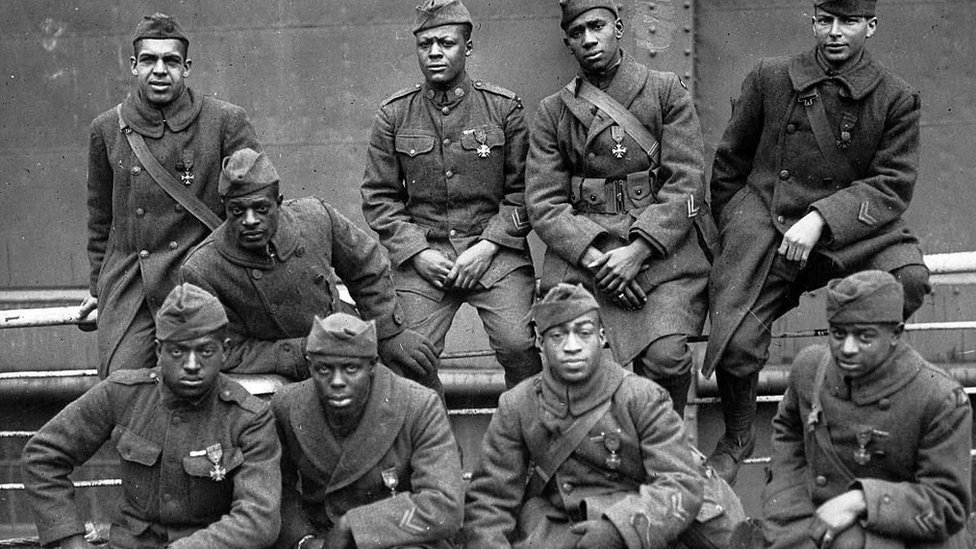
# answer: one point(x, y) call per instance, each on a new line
point(623, 117)
point(817, 421)
point(164, 178)
point(813, 104)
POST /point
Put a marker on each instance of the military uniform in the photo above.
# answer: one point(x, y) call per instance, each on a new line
point(170, 497)
point(396, 478)
point(902, 433)
point(271, 301)
point(137, 233)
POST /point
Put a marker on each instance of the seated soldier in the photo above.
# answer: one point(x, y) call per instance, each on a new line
point(612, 465)
point(373, 453)
point(199, 454)
point(871, 442)
point(271, 265)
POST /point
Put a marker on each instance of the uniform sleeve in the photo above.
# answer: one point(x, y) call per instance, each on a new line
point(433, 509)
point(497, 488)
point(882, 196)
point(295, 524)
point(254, 519)
point(510, 225)
point(100, 178)
point(668, 219)
point(669, 501)
point(62, 444)
point(735, 152)
point(938, 503)
point(385, 196)
point(547, 192)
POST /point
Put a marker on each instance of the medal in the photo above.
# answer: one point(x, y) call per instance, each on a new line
point(390, 479)
point(480, 135)
point(612, 443)
point(864, 436)
point(214, 454)
point(617, 134)
point(187, 167)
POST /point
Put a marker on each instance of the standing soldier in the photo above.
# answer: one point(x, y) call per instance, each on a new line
point(810, 181)
point(152, 189)
point(614, 187)
point(443, 189)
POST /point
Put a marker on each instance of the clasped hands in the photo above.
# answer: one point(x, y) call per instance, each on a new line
point(462, 273)
point(615, 272)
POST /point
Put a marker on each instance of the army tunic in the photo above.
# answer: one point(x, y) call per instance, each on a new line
point(271, 301)
point(563, 146)
point(912, 423)
point(168, 496)
point(137, 233)
point(396, 478)
point(768, 173)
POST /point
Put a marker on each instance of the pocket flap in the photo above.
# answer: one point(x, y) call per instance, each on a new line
point(136, 449)
point(412, 145)
point(493, 136)
point(591, 190)
point(200, 466)
point(638, 186)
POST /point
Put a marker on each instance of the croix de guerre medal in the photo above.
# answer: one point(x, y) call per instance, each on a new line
point(390, 479)
point(187, 166)
point(611, 441)
point(215, 453)
point(481, 136)
point(617, 134)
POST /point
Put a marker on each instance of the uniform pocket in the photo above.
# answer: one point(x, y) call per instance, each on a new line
point(489, 135)
point(136, 449)
point(207, 496)
point(200, 466)
point(413, 145)
point(138, 467)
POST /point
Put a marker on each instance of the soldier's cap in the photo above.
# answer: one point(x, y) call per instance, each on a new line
point(159, 25)
point(342, 335)
point(562, 303)
point(435, 13)
point(244, 172)
point(189, 312)
point(867, 297)
point(848, 8)
point(574, 8)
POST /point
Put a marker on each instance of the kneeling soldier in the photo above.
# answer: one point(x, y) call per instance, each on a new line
point(612, 466)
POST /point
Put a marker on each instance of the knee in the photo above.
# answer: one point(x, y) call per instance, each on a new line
point(667, 357)
point(852, 538)
point(746, 351)
point(914, 280)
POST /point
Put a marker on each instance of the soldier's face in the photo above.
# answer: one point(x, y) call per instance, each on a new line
point(160, 65)
point(342, 382)
point(594, 39)
point(860, 348)
point(189, 368)
point(841, 38)
point(441, 52)
point(573, 349)
point(253, 218)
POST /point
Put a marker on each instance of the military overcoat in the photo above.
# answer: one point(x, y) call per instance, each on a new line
point(271, 301)
point(902, 435)
point(403, 440)
point(168, 495)
point(571, 138)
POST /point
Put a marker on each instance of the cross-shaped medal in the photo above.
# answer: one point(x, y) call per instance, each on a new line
point(484, 151)
point(186, 177)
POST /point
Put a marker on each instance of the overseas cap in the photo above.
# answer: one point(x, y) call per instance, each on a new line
point(574, 8)
point(867, 297)
point(562, 303)
point(848, 8)
point(344, 335)
point(245, 172)
point(434, 13)
point(189, 312)
point(159, 25)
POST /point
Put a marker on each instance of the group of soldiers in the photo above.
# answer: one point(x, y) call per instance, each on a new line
point(200, 267)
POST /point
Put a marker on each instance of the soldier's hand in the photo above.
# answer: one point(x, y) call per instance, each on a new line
point(631, 298)
point(597, 534)
point(800, 239)
point(340, 536)
point(471, 265)
point(409, 351)
point(615, 269)
point(88, 305)
point(841, 512)
point(433, 266)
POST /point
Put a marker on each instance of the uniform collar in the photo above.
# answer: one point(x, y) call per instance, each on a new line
point(860, 79)
point(561, 400)
point(891, 376)
point(150, 121)
point(602, 80)
point(447, 98)
point(285, 242)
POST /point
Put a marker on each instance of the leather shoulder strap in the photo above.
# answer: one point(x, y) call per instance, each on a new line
point(813, 104)
point(546, 463)
point(817, 421)
point(164, 179)
point(623, 117)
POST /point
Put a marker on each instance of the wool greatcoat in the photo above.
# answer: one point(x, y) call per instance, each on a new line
point(769, 172)
point(137, 233)
point(271, 301)
point(403, 435)
point(570, 138)
point(168, 495)
point(915, 423)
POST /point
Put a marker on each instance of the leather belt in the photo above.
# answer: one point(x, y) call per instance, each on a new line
point(610, 195)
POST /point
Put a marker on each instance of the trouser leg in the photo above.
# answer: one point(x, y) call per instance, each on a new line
point(431, 318)
point(667, 361)
point(136, 348)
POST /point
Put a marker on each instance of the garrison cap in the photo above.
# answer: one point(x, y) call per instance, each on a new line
point(848, 8)
point(159, 25)
point(342, 335)
point(435, 13)
point(562, 303)
point(189, 312)
point(244, 172)
point(867, 297)
point(574, 8)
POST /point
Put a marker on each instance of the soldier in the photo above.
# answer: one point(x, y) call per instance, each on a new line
point(443, 189)
point(138, 230)
point(809, 182)
point(871, 442)
point(271, 265)
point(614, 188)
point(199, 456)
point(611, 463)
point(373, 453)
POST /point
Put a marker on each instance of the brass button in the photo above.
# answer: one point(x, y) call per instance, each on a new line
point(884, 404)
point(446, 142)
point(790, 128)
point(449, 174)
point(300, 251)
point(821, 480)
point(567, 487)
point(780, 218)
point(256, 274)
point(784, 175)
point(319, 278)
point(591, 156)
point(136, 170)
point(177, 208)
point(173, 245)
point(177, 420)
point(144, 254)
point(140, 212)
point(286, 347)
point(452, 232)
point(152, 375)
point(446, 110)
